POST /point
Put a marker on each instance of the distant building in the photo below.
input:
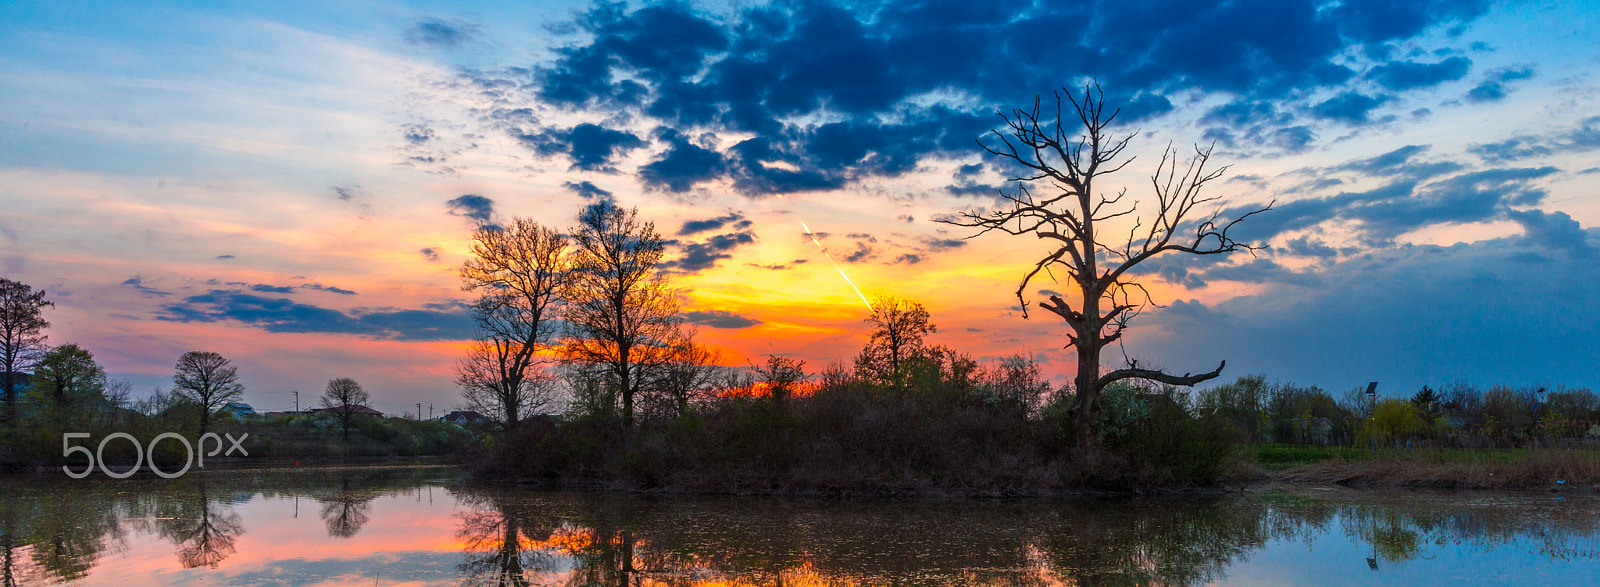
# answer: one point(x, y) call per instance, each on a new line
point(239, 409)
point(463, 417)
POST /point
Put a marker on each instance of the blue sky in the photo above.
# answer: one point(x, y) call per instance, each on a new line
point(293, 184)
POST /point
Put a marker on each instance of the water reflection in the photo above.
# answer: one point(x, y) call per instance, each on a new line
point(344, 509)
point(382, 527)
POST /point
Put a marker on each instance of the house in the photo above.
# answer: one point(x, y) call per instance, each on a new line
point(463, 417)
point(239, 409)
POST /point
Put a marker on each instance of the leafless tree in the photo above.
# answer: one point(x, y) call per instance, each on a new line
point(899, 326)
point(781, 376)
point(517, 271)
point(487, 389)
point(621, 312)
point(689, 374)
point(22, 336)
point(208, 380)
point(344, 397)
point(1057, 200)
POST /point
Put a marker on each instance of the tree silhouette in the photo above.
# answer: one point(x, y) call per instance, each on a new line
point(780, 375)
point(498, 531)
point(689, 374)
point(1057, 200)
point(204, 532)
point(208, 380)
point(345, 511)
point(22, 336)
point(899, 326)
point(622, 314)
point(342, 397)
point(517, 271)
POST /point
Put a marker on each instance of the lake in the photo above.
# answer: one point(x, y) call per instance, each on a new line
point(423, 526)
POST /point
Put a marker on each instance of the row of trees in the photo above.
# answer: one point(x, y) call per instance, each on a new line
point(588, 313)
point(592, 298)
point(1458, 414)
point(65, 386)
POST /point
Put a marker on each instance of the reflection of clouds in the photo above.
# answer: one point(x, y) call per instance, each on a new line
point(540, 538)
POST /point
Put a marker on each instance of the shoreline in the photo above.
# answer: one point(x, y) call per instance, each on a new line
point(1535, 471)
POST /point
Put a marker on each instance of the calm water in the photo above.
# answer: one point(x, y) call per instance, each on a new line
point(421, 527)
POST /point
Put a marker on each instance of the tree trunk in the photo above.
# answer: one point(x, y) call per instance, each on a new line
point(627, 390)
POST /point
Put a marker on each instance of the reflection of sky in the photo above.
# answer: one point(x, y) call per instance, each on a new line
point(1336, 559)
point(274, 181)
point(412, 540)
point(407, 541)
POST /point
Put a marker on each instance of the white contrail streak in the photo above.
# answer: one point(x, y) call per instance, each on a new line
point(835, 265)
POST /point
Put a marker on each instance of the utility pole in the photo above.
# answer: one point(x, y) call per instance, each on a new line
point(419, 411)
point(430, 411)
point(296, 401)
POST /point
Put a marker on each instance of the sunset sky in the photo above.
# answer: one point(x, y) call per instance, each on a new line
point(293, 184)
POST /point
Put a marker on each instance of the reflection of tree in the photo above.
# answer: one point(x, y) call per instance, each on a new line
point(345, 511)
point(204, 532)
point(54, 536)
point(503, 536)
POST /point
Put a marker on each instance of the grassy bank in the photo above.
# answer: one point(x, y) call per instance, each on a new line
point(1504, 469)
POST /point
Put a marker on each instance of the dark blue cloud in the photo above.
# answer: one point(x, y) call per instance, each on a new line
point(327, 288)
point(719, 319)
point(285, 315)
point(475, 207)
point(1350, 107)
point(1406, 204)
point(683, 165)
point(416, 134)
point(1407, 75)
point(1553, 231)
point(822, 95)
point(1494, 87)
point(734, 219)
point(590, 146)
point(588, 190)
point(441, 33)
point(136, 282)
point(264, 288)
point(1403, 162)
point(696, 257)
point(430, 253)
point(1584, 138)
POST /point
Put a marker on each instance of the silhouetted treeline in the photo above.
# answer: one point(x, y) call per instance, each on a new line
point(1457, 415)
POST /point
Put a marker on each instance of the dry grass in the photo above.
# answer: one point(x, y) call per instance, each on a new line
point(1527, 469)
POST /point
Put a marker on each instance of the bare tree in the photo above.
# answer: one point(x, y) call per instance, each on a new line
point(621, 311)
point(896, 339)
point(781, 375)
point(344, 397)
point(208, 380)
point(517, 271)
point(22, 336)
point(689, 374)
point(1057, 200)
point(488, 388)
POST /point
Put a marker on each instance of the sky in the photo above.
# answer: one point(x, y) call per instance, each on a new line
point(294, 184)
